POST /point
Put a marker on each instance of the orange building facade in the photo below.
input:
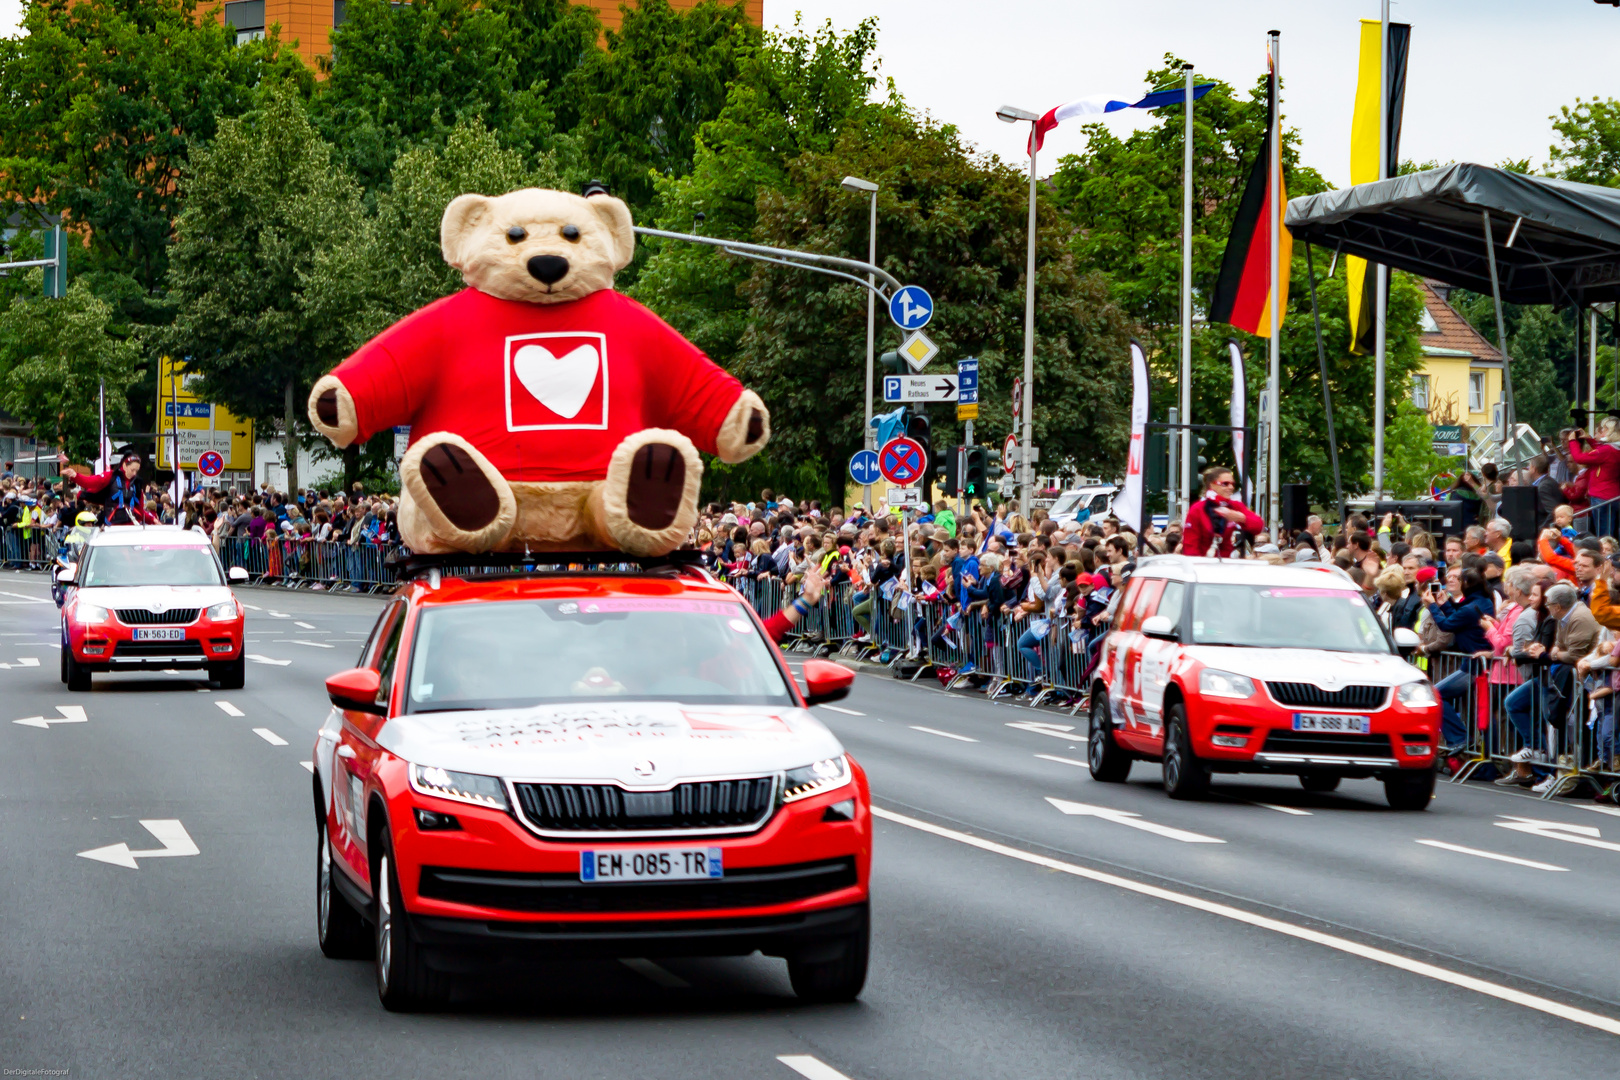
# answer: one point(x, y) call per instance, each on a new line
point(310, 22)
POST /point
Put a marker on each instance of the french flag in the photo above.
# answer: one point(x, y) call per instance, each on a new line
point(1102, 105)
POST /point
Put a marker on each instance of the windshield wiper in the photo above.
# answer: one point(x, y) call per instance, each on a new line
point(1237, 645)
point(452, 708)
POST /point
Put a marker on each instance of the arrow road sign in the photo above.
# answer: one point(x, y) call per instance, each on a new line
point(967, 380)
point(902, 460)
point(71, 714)
point(911, 308)
point(920, 387)
point(863, 468)
point(170, 833)
point(1130, 820)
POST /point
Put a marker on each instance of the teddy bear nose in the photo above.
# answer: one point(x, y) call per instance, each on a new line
point(548, 269)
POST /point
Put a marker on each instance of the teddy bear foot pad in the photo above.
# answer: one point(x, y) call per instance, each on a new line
point(460, 488)
point(657, 486)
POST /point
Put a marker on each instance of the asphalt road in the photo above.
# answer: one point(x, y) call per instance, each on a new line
point(1265, 932)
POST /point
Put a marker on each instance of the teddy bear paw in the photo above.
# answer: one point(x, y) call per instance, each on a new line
point(657, 486)
point(459, 488)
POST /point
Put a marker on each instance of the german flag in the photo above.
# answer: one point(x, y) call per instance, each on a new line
point(1243, 290)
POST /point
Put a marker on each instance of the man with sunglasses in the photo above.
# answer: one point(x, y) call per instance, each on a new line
point(1217, 522)
point(121, 490)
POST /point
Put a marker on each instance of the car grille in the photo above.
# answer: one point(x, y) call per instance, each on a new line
point(1301, 695)
point(745, 887)
point(132, 616)
point(127, 649)
point(1322, 742)
point(707, 804)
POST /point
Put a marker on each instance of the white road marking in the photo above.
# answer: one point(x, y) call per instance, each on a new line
point(1607, 1024)
point(278, 615)
point(22, 599)
point(269, 736)
point(22, 661)
point(1131, 820)
point(310, 765)
point(1442, 845)
point(1294, 810)
point(169, 832)
point(1063, 760)
point(228, 709)
point(257, 659)
point(311, 644)
point(1586, 835)
point(846, 712)
point(942, 734)
point(1612, 811)
point(71, 714)
point(649, 970)
point(251, 607)
point(810, 1068)
point(1057, 731)
point(305, 625)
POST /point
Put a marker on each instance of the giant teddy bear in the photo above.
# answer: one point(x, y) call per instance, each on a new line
point(547, 411)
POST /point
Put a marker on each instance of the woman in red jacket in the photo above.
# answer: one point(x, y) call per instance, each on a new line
point(1216, 522)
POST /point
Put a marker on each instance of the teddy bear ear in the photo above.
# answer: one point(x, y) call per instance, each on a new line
point(616, 216)
point(464, 216)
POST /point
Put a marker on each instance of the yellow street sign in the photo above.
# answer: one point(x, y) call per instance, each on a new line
point(198, 426)
point(969, 411)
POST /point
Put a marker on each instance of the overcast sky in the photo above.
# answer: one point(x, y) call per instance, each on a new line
point(1483, 78)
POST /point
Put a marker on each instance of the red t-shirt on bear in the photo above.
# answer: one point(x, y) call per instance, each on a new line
point(545, 391)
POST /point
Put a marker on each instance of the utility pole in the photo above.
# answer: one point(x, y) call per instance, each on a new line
point(1181, 485)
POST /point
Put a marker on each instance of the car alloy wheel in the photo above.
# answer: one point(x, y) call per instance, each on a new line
point(385, 927)
point(1184, 776)
point(1108, 760)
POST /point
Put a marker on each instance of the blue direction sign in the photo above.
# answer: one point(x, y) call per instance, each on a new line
point(863, 468)
point(911, 307)
point(967, 380)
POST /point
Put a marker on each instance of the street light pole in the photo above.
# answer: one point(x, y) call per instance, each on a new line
point(855, 183)
point(1181, 485)
point(1026, 467)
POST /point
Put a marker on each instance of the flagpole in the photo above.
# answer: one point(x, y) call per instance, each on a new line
point(1381, 299)
point(1274, 379)
point(1184, 481)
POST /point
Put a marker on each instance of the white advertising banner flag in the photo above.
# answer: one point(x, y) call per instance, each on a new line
point(1240, 394)
point(1128, 505)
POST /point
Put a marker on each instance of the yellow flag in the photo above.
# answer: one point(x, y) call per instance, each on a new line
point(1363, 170)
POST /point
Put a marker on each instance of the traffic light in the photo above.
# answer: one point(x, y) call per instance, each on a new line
point(1200, 463)
point(949, 483)
point(1156, 466)
point(892, 363)
point(974, 481)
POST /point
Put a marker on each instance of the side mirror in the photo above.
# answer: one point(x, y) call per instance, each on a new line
point(68, 573)
point(236, 575)
point(1159, 626)
point(826, 681)
point(356, 689)
point(1406, 638)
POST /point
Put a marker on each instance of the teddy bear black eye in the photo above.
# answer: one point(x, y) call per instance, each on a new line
point(517, 234)
point(571, 233)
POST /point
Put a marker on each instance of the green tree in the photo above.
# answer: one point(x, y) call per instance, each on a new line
point(955, 224)
point(1410, 462)
point(54, 357)
point(1588, 147)
point(259, 203)
point(1541, 343)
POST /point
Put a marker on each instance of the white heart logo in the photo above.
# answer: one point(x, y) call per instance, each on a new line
point(561, 384)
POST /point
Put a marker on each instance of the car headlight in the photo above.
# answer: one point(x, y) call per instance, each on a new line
point(227, 610)
point(1416, 695)
point(461, 786)
point(88, 614)
point(1212, 682)
point(801, 783)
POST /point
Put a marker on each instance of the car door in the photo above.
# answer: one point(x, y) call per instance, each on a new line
point(357, 750)
point(1142, 598)
point(1159, 656)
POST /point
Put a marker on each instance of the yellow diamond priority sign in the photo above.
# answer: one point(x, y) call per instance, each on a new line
point(918, 350)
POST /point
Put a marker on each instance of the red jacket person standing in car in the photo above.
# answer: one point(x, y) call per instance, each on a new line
point(1217, 521)
point(121, 489)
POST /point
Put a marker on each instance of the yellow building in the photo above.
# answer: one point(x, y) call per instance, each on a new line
point(1461, 379)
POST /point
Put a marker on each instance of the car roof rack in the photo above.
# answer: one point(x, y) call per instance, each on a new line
point(526, 563)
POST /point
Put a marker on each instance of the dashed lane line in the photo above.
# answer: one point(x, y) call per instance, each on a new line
point(311, 644)
point(269, 736)
point(257, 659)
point(651, 971)
point(1294, 810)
point(228, 709)
point(838, 709)
point(941, 734)
point(1516, 861)
point(1585, 1017)
point(1063, 760)
point(251, 607)
point(811, 1068)
point(305, 625)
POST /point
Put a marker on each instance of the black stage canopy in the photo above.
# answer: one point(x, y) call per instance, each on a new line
point(1556, 242)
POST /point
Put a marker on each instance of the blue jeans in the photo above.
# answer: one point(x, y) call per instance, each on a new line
point(1527, 708)
point(1029, 647)
point(1453, 731)
point(1602, 521)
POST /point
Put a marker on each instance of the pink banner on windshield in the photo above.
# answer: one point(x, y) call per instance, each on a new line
point(616, 605)
point(1295, 594)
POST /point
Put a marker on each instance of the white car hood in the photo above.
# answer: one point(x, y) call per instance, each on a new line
point(604, 742)
point(1328, 670)
point(156, 597)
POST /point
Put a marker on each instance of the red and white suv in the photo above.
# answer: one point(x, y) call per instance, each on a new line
point(1223, 666)
point(584, 762)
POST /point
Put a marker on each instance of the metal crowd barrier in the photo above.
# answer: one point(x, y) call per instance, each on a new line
point(28, 548)
point(309, 564)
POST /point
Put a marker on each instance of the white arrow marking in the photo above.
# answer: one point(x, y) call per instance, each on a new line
point(1134, 821)
point(257, 659)
point(310, 765)
point(228, 709)
point(169, 832)
point(269, 736)
point(1057, 731)
point(809, 1067)
point(311, 644)
point(71, 714)
point(305, 625)
point(24, 661)
point(1557, 830)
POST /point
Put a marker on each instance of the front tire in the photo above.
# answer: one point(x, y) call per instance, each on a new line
point(836, 980)
point(338, 927)
point(1109, 763)
point(404, 982)
point(75, 674)
point(1185, 777)
point(1409, 789)
point(231, 675)
point(1320, 783)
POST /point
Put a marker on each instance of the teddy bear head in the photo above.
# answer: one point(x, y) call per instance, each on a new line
point(537, 245)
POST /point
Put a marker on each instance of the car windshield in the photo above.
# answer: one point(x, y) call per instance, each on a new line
point(1066, 502)
point(150, 564)
point(1285, 617)
point(513, 654)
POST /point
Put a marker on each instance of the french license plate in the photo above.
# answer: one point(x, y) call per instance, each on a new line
point(1338, 722)
point(176, 634)
point(661, 864)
